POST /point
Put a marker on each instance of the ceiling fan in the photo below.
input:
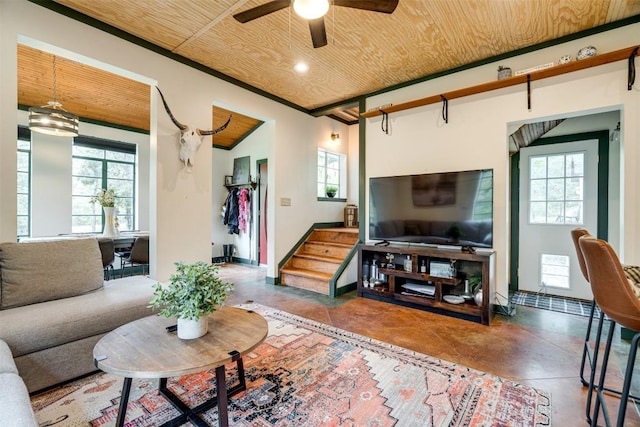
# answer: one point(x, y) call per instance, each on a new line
point(314, 11)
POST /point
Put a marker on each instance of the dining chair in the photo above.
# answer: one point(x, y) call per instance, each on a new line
point(614, 295)
point(107, 249)
point(138, 257)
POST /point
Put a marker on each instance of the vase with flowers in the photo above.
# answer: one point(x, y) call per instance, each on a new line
point(107, 199)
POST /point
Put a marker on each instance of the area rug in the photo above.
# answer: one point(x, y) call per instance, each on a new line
point(554, 303)
point(311, 374)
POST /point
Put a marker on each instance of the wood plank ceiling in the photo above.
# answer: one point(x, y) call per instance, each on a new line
point(366, 51)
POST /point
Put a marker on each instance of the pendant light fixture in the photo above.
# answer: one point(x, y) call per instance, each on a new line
point(52, 119)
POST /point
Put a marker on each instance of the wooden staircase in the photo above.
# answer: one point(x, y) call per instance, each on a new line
point(314, 263)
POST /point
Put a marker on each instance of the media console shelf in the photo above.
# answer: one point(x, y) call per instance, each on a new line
point(396, 283)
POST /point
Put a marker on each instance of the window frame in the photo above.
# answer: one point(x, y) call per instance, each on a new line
point(24, 134)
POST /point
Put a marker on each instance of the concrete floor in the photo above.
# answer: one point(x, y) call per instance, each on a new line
point(536, 347)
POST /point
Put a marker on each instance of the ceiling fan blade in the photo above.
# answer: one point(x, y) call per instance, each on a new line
point(262, 10)
point(384, 6)
point(318, 32)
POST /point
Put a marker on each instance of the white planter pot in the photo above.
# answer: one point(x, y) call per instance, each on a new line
point(190, 329)
point(478, 297)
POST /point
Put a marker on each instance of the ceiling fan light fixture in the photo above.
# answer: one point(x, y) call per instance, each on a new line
point(311, 9)
point(301, 67)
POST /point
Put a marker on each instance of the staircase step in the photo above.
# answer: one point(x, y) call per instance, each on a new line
point(306, 279)
point(322, 264)
point(325, 249)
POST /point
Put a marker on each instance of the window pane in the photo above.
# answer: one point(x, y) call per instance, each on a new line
point(555, 213)
point(24, 145)
point(556, 166)
point(556, 189)
point(573, 213)
point(23, 225)
point(122, 188)
point(86, 224)
point(538, 190)
point(23, 182)
point(23, 204)
point(538, 167)
point(125, 157)
point(81, 151)
point(84, 167)
point(23, 161)
point(120, 170)
point(86, 186)
point(575, 164)
point(574, 189)
point(538, 212)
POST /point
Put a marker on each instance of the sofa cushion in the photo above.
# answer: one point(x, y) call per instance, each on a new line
point(15, 405)
point(35, 327)
point(7, 364)
point(34, 272)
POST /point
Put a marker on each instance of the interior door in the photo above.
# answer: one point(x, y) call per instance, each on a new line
point(558, 192)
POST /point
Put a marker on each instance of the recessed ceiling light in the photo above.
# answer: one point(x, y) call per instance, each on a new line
point(301, 67)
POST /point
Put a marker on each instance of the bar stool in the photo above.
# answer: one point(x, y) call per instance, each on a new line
point(616, 299)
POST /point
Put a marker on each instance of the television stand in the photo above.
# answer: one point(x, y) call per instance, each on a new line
point(397, 286)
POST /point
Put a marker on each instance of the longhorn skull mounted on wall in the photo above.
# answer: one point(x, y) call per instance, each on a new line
point(190, 140)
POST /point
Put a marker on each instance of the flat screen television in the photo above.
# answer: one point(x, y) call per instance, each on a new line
point(451, 208)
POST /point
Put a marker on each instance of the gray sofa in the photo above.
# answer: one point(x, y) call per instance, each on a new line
point(15, 406)
point(55, 306)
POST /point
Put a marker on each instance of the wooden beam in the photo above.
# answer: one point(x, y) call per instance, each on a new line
point(605, 58)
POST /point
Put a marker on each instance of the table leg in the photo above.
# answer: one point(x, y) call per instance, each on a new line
point(124, 399)
point(221, 386)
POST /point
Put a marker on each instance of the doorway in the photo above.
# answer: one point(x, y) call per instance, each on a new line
point(558, 183)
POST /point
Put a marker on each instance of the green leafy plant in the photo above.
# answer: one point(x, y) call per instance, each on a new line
point(195, 290)
point(475, 282)
point(331, 189)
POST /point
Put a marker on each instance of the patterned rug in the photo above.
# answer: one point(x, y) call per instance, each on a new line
point(554, 303)
point(310, 374)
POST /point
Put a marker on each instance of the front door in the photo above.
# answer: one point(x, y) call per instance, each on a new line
point(558, 192)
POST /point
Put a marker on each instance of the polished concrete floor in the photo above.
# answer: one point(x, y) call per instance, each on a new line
point(536, 347)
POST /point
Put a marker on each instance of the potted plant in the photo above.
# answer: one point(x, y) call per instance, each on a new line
point(331, 190)
point(192, 293)
point(475, 286)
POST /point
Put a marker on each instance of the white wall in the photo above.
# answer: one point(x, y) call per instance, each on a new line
point(476, 135)
point(180, 204)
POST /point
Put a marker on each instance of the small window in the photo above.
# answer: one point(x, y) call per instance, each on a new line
point(556, 189)
point(331, 174)
point(24, 182)
point(555, 270)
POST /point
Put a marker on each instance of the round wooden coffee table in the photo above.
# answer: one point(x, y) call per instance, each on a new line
point(146, 349)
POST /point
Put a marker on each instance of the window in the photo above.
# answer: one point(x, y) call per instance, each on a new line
point(24, 182)
point(331, 172)
point(556, 188)
point(98, 164)
point(555, 270)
